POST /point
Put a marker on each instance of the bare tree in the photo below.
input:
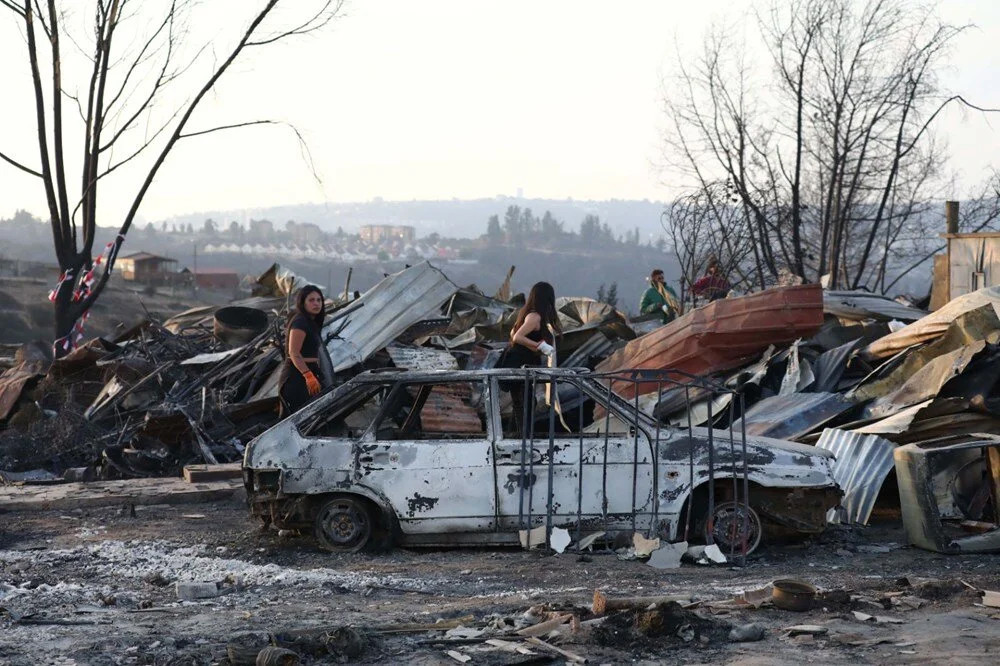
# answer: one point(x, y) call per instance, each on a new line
point(829, 150)
point(710, 223)
point(135, 65)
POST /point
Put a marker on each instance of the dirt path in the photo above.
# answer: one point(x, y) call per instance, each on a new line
point(107, 578)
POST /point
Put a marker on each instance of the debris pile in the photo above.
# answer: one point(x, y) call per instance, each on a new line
point(871, 379)
point(197, 387)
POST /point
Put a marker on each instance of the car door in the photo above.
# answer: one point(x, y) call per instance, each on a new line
point(605, 479)
point(430, 453)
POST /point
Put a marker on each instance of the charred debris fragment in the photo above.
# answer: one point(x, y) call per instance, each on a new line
point(885, 386)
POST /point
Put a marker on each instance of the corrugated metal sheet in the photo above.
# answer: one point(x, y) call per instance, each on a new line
point(859, 305)
point(722, 335)
point(933, 325)
point(861, 465)
point(385, 311)
point(447, 410)
point(793, 415)
point(421, 358)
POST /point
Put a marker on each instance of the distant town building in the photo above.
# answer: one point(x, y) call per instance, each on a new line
point(376, 233)
point(303, 232)
point(147, 268)
point(261, 230)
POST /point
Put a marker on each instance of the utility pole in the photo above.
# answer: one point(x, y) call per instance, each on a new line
point(951, 216)
point(195, 269)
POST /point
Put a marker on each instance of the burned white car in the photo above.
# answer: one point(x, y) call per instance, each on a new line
point(437, 458)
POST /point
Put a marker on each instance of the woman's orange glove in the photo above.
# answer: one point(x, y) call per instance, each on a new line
point(312, 384)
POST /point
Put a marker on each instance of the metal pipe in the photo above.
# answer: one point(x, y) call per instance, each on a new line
point(604, 467)
point(524, 444)
point(531, 454)
point(710, 517)
point(635, 446)
point(746, 474)
point(579, 472)
point(690, 504)
point(656, 467)
point(732, 465)
point(554, 395)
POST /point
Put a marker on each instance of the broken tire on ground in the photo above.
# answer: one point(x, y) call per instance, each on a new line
point(344, 525)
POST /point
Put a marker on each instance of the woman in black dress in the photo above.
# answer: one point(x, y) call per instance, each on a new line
point(531, 339)
point(299, 379)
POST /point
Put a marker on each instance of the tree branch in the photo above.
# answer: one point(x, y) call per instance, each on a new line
point(20, 166)
point(58, 239)
point(9, 4)
point(318, 20)
point(225, 127)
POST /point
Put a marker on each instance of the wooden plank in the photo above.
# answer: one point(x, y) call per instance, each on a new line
point(219, 472)
point(140, 492)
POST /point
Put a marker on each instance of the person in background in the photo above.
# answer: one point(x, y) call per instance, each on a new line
point(531, 340)
point(659, 298)
point(299, 378)
point(713, 285)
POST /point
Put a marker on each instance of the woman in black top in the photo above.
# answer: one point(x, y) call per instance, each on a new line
point(299, 375)
point(531, 339)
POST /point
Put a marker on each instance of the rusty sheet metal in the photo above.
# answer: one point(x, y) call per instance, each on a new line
point(793, 415)
point(385, 311)
point(421, 358)
point(930, 475)
point(930, 419)
point(279, 282)
point(861, 305)
point(447, 410)
point(861, 465)
point(927, 381)
point(12, 384)
point(978, 324)
point(586, 313)
point(933, 325)
point(722, 335)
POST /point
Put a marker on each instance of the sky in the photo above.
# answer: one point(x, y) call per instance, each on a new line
point(463, 99)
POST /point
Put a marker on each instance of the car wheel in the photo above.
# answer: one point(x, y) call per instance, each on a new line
point(344, 525)
point(734, 524)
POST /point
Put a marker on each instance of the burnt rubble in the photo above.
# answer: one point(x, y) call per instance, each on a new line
point(856, 373)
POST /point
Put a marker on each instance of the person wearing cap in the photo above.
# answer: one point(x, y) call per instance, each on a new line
point(659, 297)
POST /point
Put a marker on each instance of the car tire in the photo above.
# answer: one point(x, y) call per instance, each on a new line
point(344, 525)
point(727, 527)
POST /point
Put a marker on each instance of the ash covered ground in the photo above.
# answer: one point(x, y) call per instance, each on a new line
point(99, 587)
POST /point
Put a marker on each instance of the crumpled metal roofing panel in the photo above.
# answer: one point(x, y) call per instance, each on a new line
point(933, 325)
point(722, 335)
point(859, 305)
point(386, 310)
point(861, 465)
point(793, 415)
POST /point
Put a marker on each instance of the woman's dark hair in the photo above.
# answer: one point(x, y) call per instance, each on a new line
point(541, 299)
point(656, 271)
point(300, 303)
